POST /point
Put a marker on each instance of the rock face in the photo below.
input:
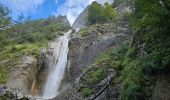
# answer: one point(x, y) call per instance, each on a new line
point(161, 88)
point(82, 20)
point(122, 7)
point(84, 49)
point(21, 76)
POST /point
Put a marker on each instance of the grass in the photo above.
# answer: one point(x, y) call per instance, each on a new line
point(3, 76)
point(83, 32)
point(14, 51)
point(132, 76)
point(97, 75)
point(128, 68)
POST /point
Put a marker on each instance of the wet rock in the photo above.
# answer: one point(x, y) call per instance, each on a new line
point(2, 90)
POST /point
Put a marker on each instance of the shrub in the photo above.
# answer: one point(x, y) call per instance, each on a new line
point(86, 91)
point(98, 13)
point(132, 76)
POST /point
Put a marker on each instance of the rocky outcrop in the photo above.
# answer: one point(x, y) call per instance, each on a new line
point(5, 94)
point(21, 76)
point(85, 48)
point(122, 7)
point(59, 19)
point(81, 20)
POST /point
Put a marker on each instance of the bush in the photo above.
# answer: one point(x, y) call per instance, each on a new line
point(132, 76)
point(86, 91)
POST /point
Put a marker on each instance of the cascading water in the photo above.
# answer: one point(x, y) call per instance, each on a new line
point(57, 66)
point(56, 63)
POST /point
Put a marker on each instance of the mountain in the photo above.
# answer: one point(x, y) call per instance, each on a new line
point(81, 20)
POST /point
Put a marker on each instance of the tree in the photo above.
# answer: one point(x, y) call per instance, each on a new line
point(153, 25)
point(95, 13)
point(4, 23)
point(4, 17)
point(109, 13)
point(98, 13)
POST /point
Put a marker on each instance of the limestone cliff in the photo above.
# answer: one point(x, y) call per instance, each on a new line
point(21, 75)
point(85, 47)
point(82, 20)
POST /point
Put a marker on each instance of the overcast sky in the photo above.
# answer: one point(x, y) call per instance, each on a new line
point(44, 8)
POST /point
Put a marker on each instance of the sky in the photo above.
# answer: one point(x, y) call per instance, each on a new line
point(43, 8)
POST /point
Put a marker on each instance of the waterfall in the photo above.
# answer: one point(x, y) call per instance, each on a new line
point(58, 63)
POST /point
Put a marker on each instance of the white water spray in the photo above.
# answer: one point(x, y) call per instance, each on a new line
point(58, 64)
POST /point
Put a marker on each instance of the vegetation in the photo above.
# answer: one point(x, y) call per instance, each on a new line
point(25, 36)
point(29, 38)
point(109, 60)
point(152, 23)
point(98, 13)
point(2, 74)
point(86, 91)
point(148, 52)
point(4, 23)
point(150, 48)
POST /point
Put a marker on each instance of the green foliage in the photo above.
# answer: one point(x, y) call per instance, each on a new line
point(152, 23)
point(132, 76)
point(108, 13)
point(4, 17)
point(98, 13)
point(34, 31)
point(27, 38)
point(3, 76)
point(126, 16)
point(95, 12)
point(4, 22)
point(97, 75)
point(86, 91)
point(17, 50)
point(83, 31)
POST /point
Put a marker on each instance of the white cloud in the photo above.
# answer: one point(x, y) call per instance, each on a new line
point(22, 6)
point(72, 8)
